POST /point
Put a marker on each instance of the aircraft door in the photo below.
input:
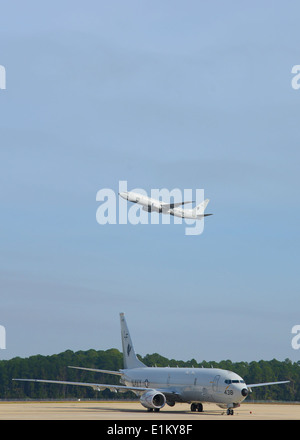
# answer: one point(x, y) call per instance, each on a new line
point(215, 384)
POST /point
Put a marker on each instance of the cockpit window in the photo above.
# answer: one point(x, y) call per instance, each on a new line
point(228, 381)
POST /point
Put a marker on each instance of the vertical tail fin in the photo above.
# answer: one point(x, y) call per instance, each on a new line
point(129, 356)
point(199, 209)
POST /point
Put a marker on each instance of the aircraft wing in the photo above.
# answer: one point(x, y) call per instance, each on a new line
point(118, 373)
point(173, 205)
point(95, 386)
point(252, 385)
point(171, 394)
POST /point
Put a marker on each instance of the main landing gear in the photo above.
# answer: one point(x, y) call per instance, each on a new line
point(230, 412)
point(197, 407)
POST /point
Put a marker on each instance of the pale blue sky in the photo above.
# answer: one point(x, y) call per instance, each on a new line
point(162, 94)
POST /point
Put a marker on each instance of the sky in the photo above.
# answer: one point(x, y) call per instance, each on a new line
point(161, 94)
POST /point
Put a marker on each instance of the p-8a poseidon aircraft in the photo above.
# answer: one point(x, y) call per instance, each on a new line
point(153, 205)
point(158, 386)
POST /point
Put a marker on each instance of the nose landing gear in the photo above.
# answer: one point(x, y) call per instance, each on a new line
point(230, 408)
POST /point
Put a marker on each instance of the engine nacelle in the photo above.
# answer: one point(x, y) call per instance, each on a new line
point(153, 399)
point(153, 208)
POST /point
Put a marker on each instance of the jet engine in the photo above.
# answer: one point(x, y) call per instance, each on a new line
point(153, 208)
point(153, 399)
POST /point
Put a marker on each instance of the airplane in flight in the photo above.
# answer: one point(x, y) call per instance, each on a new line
point(153, 205)
point(158, 386)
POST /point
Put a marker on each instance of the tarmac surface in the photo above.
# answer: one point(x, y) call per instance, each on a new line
point(108, 410)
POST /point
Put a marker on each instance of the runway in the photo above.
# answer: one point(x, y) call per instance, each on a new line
point(108, 410)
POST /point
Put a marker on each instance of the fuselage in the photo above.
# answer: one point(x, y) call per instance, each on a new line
point(190, 384)
point(145, 201)
point(153, 205)
point(185, 213)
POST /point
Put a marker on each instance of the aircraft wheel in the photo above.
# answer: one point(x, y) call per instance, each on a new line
point(199, 407)
point(230, 412)
point(193, 407)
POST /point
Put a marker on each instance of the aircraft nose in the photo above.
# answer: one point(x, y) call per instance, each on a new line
point(244, 392)
point(123, 194)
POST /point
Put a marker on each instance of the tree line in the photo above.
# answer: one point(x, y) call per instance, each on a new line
point(55, 367)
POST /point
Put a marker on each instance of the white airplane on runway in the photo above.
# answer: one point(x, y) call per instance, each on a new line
point(158, 386)
point(153, 205)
